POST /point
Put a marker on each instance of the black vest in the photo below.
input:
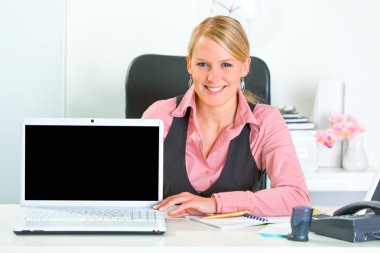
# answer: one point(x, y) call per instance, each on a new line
point(240, 171)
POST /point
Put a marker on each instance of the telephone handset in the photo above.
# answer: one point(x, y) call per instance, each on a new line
point(358, 206)
point(346, 224)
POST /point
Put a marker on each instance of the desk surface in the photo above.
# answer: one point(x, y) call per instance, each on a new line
point(180, 233)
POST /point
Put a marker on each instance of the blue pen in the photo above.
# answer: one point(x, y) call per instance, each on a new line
point(254, 217)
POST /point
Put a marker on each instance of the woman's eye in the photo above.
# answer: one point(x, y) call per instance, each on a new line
point(202, 64)
point(226, 65)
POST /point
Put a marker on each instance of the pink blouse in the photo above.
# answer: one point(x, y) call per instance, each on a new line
point(271, 146)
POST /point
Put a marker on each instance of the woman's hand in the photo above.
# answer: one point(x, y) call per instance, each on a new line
point(188, 204)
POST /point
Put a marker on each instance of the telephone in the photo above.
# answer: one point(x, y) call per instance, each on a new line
point(346, 224)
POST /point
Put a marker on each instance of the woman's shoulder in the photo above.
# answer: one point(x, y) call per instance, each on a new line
point(268, 116)
point(264, 110)
point(160, 108)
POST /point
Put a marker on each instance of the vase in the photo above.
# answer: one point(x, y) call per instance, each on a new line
point(354, 157)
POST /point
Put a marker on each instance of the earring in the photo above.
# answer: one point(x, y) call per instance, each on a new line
point(242, 84)
point(190, 82)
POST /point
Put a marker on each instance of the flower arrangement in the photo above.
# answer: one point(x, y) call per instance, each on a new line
point(342, 126)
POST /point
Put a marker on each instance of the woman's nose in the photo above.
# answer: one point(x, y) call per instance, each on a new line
point(213, 75)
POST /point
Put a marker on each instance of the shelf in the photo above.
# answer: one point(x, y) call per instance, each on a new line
point(338, 180)
point(327, 179)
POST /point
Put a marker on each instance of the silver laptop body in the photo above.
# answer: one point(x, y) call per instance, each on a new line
point(81, 175)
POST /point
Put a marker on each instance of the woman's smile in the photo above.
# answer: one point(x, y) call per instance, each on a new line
point(214, 89)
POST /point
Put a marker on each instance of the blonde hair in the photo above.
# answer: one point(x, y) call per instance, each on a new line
point(228, 33)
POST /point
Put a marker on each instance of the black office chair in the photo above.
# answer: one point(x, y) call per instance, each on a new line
point(153, 77)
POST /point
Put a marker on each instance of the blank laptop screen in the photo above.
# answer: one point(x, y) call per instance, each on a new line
point(101, 163)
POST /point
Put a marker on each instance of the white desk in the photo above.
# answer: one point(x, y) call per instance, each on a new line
point(181, 233)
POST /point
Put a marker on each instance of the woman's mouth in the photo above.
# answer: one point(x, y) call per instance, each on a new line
point(215, 89)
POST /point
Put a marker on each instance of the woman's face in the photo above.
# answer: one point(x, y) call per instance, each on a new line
point(216, 73)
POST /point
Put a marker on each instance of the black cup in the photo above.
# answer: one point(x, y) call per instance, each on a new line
point(300, 223)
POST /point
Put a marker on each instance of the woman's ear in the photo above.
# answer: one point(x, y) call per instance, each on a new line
point(246, 65)
point(188, 61)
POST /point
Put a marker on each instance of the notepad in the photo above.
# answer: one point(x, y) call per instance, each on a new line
point(246, 220)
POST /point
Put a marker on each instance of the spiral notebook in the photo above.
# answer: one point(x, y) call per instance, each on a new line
point(245, 220)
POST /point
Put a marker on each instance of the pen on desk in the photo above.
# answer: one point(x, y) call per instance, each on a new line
point(254, 217)
point(227, 215)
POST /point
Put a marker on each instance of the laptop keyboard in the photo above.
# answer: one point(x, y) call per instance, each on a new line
point(130, 215)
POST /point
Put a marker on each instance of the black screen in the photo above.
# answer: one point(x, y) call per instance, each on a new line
point(102, 163)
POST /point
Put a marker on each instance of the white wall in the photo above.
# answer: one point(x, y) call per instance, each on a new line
point(30, 77)
point(302, 41)
point(104, 36)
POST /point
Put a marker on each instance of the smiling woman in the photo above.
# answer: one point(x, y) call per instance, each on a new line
point(217, 142)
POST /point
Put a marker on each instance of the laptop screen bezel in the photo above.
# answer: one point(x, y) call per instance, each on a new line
point(91, 122)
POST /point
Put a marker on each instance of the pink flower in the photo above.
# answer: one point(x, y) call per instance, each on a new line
point(327, 137)
point(342, 126)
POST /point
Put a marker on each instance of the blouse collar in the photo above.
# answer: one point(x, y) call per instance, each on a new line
point(244, 113)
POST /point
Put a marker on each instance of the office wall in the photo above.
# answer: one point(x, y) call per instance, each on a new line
point(302, 41)
point(31, 37)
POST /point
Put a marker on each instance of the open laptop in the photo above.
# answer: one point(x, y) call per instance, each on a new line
point(91, 176)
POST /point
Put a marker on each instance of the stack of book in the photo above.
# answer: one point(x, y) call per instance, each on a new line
point(296, 121)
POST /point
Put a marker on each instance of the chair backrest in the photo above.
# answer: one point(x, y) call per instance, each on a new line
point(153, 77)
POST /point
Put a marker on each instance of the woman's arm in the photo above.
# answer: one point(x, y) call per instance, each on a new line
point(273, 149)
